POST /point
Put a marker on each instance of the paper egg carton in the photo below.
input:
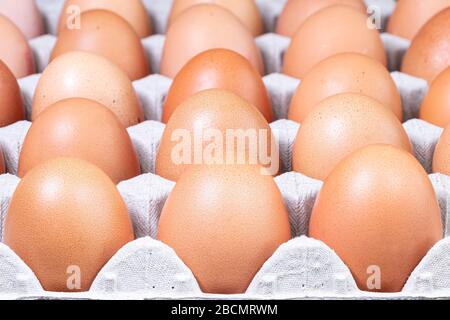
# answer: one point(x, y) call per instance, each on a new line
point(301, 268)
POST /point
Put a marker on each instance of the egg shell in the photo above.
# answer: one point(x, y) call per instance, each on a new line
point(330, 31)
point(429, 53)
point(219, 68)
point(345, 73)
point(133, 11)
point(85, 75)
point(203, 27)
point(25, 15)
point(339, 126)
point(379, 212)
point(246, 10)
point(66, 216)
point(83, 129)
point(107, 34)
point(224, 222)
point(11, 103)
point(441, 158)
point(435, 107)
point(296, 12)
point(410, 16)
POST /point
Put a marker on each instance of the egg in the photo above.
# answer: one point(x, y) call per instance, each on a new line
point(203, 27)
point(218, 68)
point(11, 103)
point(215, 127)
point(133, 11)
point(410, 16)
point(14, 49)
point(25, 15)
point(107, 34)
point(246, 10)
point(66, 220)
point(83, 129)
point(224, 222)
point(340, 125)
point(379, 212)
point(2, 162)
point(441, 158)
point(435, 107)
point(345, 73)
point(330, 31)
point(296, 12)
point(85, 75)
point(429, 53)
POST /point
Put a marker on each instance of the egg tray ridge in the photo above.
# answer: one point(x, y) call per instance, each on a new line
point(301, 268)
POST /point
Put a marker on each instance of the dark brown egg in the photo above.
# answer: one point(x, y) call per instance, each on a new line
point(11, 103)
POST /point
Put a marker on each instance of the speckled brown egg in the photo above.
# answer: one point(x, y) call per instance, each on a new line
point(224, 222)
point(246, 10)
point(203, 27)
point(215, 127)
point(11, 103)
point(25, 15)
point(339, 126)
point(66, 220)
point(14, 49)
point(85, 75)
point(296, 12)
point(410, 16)
point(429, 53)
point(435, 107)
point(379, 212)
point(330, 31)
point(107, 34)
point(441, 158)
point(83, 129)
point(133, 11)
point(219, 68)
point(345, 73)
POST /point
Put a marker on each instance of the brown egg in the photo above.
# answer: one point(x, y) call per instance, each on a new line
point(328, 32)
point(25, 15)
point(215, 127)
point(85, 75)
point(11, 103)
point(83, 129)
point(131, 10)
point(379, 212)
point(411, 15)
point(296, 12)
point(345, 73)
point(219, 68)
point(246, 10)
point(66, 220)
point(441, 159)
point(436, 106)
point(429, 53)
point(107, 34)
point(224, 222)
point(203, 27)
point(339, 126)
point(14, 49)
point(2, 162)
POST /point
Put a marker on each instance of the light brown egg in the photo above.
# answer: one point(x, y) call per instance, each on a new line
point(203, 27)
point(25, 15)
point(296, 12)
point(410, 16)
point(107, 34)
point(379, 212)
point(436, 106)
point(339, 126)
point(345, 73)
point(330, 31)
point(66, 220)
point(246, 10)
point(441, 159)
point(85, 75)
point(224, 222)
point(11, 103)
point(83, 129)
point(14, 49)
point(429, 53)
point(2, 162)
point(219, 68)
point(215, 127)
point(131, 10)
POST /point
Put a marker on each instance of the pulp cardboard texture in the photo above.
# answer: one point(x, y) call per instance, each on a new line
point(301, 268)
